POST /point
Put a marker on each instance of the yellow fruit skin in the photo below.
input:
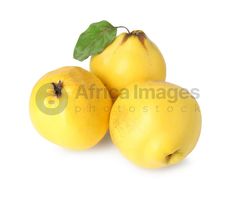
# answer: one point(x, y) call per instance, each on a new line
point(128, 60)
point(84, 121)
point(148, 132)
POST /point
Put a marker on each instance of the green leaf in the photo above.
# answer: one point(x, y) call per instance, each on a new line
point(94, 40)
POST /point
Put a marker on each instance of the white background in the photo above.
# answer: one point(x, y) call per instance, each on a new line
point(198, 41)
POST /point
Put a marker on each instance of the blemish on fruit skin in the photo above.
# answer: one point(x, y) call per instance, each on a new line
point(141, 36)
point(125, 38)
point(138, 33)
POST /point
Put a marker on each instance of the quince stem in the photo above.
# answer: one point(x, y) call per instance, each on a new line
point(121, 26)
point(57, 88)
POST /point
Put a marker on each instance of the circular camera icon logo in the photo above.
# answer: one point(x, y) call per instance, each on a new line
point(51, 98)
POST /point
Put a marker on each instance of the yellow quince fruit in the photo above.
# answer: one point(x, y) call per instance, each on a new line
point(66, 108)
point(155, 124)
point(131, 57)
